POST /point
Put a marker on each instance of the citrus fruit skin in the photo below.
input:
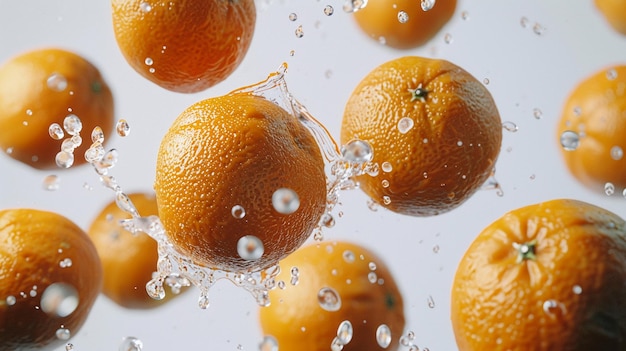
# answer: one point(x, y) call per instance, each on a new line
point(230, 151)
point(367, 290)
point(548, 276)
point(37, 249)
point(184, 46)
point(128, 260)
point(614, 11)
point(28, 105)
point(434, 129)
point(379, 19)
point(596, 111)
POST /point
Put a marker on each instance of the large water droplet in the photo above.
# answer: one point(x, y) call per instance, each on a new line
point(59, 300)
point(11, 300)
point(357, 151)
point(383, 336)
point(269, 343)
point(329, 299)
point(131, 343)
point(405, 124)
point(617, 153)
point(72, 124)
point(344, 332)
point(63, 334)
point(55, 131)
point(250, 248)
point(427, 5)
point(56, 82)
point(285, 201)
point(403, 17)
point(386, 167)
point(64, 159)
point(569, 140)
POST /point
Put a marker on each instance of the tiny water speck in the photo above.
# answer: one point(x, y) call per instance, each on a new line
point(293, 16)
point(447, 38)
point(285, 201)
point(56, 82)
point(65, 263)
point(348, 256)
point(430, 301)
point(328, 10)
point(122, 128)
point(465, 15)
point(131, 343)
point(577, 289)
point(383, 336)
point(617, 153)
point(524, 22)
point(269, 343)
point(537, 113)
point(386, 200)
point(509, 126)
point(63, 333)
point(486, 81)
point(403, 17)
point(427, 5)
point(384, 183)
point(609, 188)
point(69, 347)
point(250, 248)
point(59, 300)
point(51, 182)
point(551, 306)
point(539, 29)
point(351, 6)
point(238, 211)
point(299, 32)
point(145, 7)
point(329, 299)
point(405, 124)
point(611, 74)
point(345, 332)
point(570, 140)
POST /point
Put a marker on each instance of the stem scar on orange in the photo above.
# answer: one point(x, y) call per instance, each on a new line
point(548, 276)
point(240, 183)
point(434, 129)
point(184, 46)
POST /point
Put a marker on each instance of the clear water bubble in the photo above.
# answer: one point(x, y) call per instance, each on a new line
point(250, 248)
point(148, 61)
point(577, 289)
point(59, 300)
point(328, 10)
point(617, 153)
point(611, 74)
point(427, 5)
point(56, 82)
point(122, 128)
point(97, 135)
point(293, 16)
point(537, 113)
point(65, 263)
point(403, 17)
point(509, 126)
point(539, 29)
point(95, 152)
point(384, 183)
point(351, 6)
point(386, 200)
point(405, 124)
point(299, 32)
point(430, 301)
point(131, 343)
point(570, 140)
point(63, 333)
point(69, 347)
point(372, 266)
point(348, 256)
point(329, 299)
point(447, 38)
point(345, 332)
point(465, 15)
point(51, 182)
point(285, 201)
point(486, 81)
point(553, 307)
point(145, 6)
point(357, 151)
point(10, 300)
point(372, 277)
point(386, 167)
point(269, 343)
point(55, 131)
point(524, 21)
point(124, 203)
point(72, 124)
point(383, 336)
point(238, 211)
point(609, 188)
point(328, 220)
point(336, 345)
point(64, 159)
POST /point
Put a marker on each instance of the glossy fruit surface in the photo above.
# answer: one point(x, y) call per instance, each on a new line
point(434, 129)
point(327, 287)
point(614, 11)
point(547, 276)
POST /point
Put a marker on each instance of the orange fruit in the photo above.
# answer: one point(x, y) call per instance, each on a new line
point(128, 260)
point(614, 11)
point(42, 87)
point(50, 276)
point(434, 129)
point(341, 293)
point(547, 276)
point(240, 183)
point(592, 129)
point(403, 24)
point(184, 46)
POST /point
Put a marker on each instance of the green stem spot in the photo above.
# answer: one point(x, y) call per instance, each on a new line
point(525, 251)
point(419, 93)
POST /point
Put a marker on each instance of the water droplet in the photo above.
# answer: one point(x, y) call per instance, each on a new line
point(570, 140)
point(55, 131)
point(336, 345)
point(72, 124)
point(357, 151)
point(69, 347)
point(430, 301)
point(63, 333)
point(609, 188)
point(486, 81)
point(95, 152)
point(65, 263)
point(148, 61)
point(299, 32)
point(383, 336)
point(328, 10)
point(553, 307)
point(524, 22)
point(56, 82)
point(348, 256)
point(97, 135)
point(131, 343)
point(345, 332)
point(436, 249)
point(611, 74)
point(293, 16)
point(465, 15)
point(405, 124)
point(122, 128)
point(447, 38)
point(327, 220)
point(427, 5)
point(351, 6)
point(269, 343)
point(11, 300)
point(386, 167)
point(403, 17)
point(59, 300)
point(617, 153)
point(145, 6)
point(238, 211)
point(372, 266)
point(329, 299)
point(64, 159)
point(459, 143)
point(509, 126)
point(537, 113)
point(384, 183)
point(285, 201)
point(539, 29)
point(51, 182)
point(125, 204)
point(386, 200)
point(372, 277)
point(250, 248)
point(577, 289)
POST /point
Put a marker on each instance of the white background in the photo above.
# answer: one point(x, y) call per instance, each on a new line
point(525, 71)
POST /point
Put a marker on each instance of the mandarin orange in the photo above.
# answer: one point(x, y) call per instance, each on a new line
point(614, 11)
point(50, 276)
point(184, 45)
point(42, 87)
point(240, 183)
point(434, 129)
point(544, 277)
point(334, 293)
